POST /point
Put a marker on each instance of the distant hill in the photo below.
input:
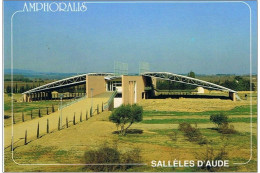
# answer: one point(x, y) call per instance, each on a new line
point(41, 75)
point(18, 71)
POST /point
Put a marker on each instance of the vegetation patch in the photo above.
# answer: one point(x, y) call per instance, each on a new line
point(193, 134)
point(213, 155)
point(193, 120)
point(239, 110)
point(109, 159)
point(221, 120)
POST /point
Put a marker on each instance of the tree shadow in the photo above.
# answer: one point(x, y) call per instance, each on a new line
point(130, 131)
point(213, 128)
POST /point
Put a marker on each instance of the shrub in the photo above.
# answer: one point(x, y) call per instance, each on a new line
point(103, 155)
point(110, 155)
point(193, 134)
point(227, 129)
point(173, 136)
point(219, 119)
point(132, 156)
point(212, 154)
point(183, 126)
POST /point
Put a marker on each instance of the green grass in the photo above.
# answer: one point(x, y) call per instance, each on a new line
point(194, 120)
point(30, 156)
point(26, 108)
point(239, 110)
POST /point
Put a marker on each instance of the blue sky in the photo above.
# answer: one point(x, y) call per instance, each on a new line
point(208, 38)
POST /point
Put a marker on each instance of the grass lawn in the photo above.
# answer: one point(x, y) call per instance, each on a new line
point(160, 140)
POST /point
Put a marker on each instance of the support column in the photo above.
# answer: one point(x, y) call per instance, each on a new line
point(25, 98)
point(30, 98)
point(232, 96)
point(34, 96)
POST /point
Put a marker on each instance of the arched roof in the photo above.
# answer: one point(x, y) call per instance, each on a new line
point(186, 80)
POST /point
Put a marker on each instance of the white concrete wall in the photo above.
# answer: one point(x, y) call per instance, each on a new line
point(119, 89)
point(117, 102)
point(200, 90)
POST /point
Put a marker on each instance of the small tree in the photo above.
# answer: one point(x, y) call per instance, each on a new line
point(67, 122)
point(219, 119)
point(80, 118)
point(90, 112)
point(39, 113)
point(8, 89)
point(38, 130)
point(25, 138)
point(191, 74)
point(48, 126)
point(22, 116)
point(126, 114)
point(86, 115)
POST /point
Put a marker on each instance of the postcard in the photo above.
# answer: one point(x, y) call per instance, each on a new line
point(130, 86)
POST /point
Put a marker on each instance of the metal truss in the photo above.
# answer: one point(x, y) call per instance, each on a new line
point(186, 80)
point(81, 79)
point(100, 74)
point(71, 81)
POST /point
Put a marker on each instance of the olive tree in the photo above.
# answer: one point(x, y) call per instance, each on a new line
point(219, 119)
point(125, 115)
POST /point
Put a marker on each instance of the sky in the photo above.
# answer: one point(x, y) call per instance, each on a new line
point(207, 38)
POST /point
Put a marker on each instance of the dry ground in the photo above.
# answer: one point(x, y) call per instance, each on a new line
point(192, 105)
point(156, 143)
point(80, 108)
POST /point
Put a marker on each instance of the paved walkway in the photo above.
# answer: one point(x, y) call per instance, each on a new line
point(31, 126)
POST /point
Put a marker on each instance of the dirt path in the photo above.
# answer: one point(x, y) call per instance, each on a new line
point(31, 126)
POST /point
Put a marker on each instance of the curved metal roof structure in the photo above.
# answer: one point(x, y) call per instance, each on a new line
point(81, 79)
point(71, 81)
point(186, 80)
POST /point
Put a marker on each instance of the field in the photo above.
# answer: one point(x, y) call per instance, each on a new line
point(160, 138)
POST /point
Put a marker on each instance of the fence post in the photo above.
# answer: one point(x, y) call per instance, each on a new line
point(86, 114)
point(25, 138)
point(31, 115)
point(67, 122)
point(38, 131)
point(90, 112)
point(74, 119)
point(47, 112)
point(53, 108)
point(81, 116)
point(22, 116)
point(102, 108)
point(97, 109)
point(47, 125)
